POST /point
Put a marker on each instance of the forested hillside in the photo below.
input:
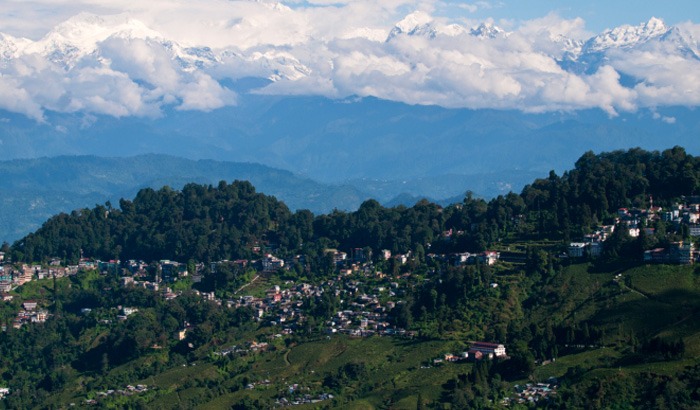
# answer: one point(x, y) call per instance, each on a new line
point(222, 297)
point(206, 223)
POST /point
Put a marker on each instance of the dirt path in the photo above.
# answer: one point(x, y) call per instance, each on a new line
point(286, 357)
point(247, 284)
point(623, 285)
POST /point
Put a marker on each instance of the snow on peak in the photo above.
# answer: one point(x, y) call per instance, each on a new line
point(80, 35)
point(11, 47)
point(88, 29)
point(487, 30)
point(568, 45)
point(419, 23)
point(683, 41)
point(413, 21)
point(655, 25)
point(279, 65)
point(451, 30)
point(416, 22)
point(627, 36)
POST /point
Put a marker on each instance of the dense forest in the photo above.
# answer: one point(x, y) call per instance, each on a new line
point(600, 326)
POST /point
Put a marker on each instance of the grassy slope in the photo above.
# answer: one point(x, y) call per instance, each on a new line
point(651, 301)
point(648, 300)
point(394, 368)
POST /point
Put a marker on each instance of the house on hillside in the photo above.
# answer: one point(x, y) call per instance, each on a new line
point(5, 286)
point(489, 349)
point(577, 249)
point(679, 252)
point(271, 263)
point(657, 255)
point(694, 230)
point(339, 257)
point(489, 257)
point(684, 253)
point(386, 254)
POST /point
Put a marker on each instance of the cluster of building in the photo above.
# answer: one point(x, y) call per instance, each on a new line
point(29, 313)
point(12, 276)
point(684, 214)
point(477, 351)
point(532, 393)
point(633, 220)
point(294, 396)
point(592, 244)
point(251, 347)
point(365, 296)
point(482, 258)
point(303, 399)
point(362, 314)
point(129, 390)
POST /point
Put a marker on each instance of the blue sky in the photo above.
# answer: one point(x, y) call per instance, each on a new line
point(33, 18)
point(598, 14)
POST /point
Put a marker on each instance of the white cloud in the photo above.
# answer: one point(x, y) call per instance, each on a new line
point(140, 61)
point(14, 98)
point(205, 94)
point(477, 5)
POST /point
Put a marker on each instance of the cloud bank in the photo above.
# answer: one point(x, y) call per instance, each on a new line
point(127, 58)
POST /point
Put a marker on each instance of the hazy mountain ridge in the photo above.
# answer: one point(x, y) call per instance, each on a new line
point(39, 188)
point(334, 141)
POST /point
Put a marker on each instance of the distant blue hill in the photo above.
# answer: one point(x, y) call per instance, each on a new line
point(36, 189)
point(335, 141)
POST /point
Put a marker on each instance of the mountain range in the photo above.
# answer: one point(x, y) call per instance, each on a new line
point(88, 36)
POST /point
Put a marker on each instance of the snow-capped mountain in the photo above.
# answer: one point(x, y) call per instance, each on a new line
point(653, 36)
point(11, 47)
point(416, 23)
point(569, 45)
point(488, 30)
point(684, 43)
point(118, 65)
point(84, 35)
point(422, 24)
point(80, 36)
point(626, 36)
